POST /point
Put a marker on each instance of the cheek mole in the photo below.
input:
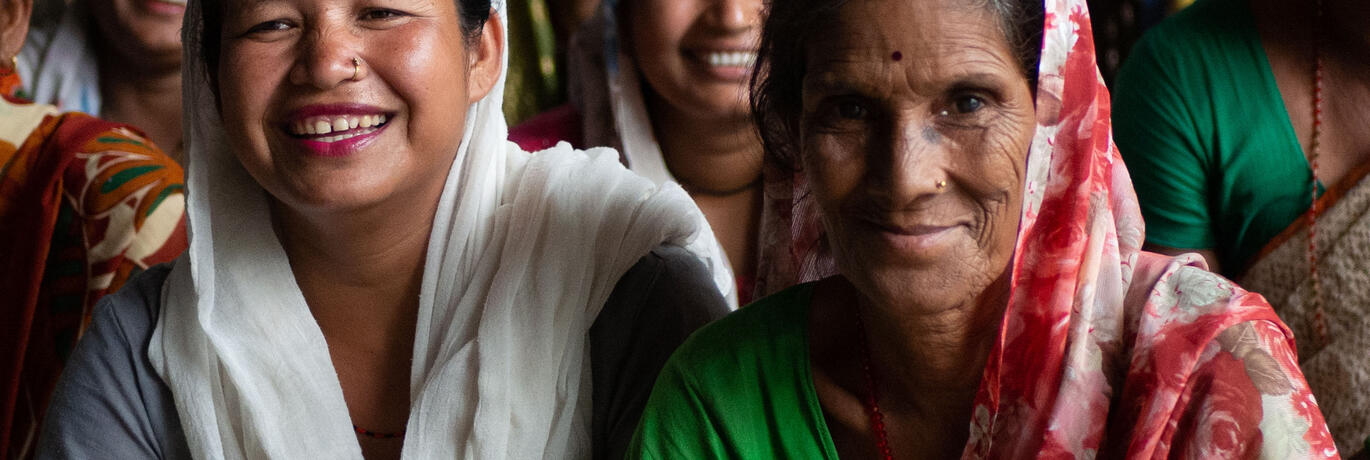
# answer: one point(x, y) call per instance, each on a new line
point(897, 56)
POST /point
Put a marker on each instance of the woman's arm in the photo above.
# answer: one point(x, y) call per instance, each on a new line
point(109, 402)
point(654, 307)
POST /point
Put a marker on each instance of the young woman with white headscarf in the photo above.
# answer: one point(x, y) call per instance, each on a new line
point(365, 280)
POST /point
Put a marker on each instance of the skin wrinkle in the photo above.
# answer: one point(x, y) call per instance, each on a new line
point(875, 135)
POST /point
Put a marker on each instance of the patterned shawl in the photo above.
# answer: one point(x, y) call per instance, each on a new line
point(1103, 350)
point(84, 205)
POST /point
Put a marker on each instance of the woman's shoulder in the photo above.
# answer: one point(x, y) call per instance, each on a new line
point(546, 129)
point(1208, 34)
point(1203, 348)
point(109, 402)
point(756, 335)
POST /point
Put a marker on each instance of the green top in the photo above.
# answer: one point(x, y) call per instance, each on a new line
point(740, 388)
point(1201, 125)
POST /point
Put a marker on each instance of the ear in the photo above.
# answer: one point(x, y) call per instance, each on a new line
point(487, 59)
point(14, 24)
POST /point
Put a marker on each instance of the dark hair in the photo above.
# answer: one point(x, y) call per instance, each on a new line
point(778, 76)
point(473, 13)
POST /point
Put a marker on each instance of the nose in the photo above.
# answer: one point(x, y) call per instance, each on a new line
point(914, 163)
point(325, 57)
point(735, 15)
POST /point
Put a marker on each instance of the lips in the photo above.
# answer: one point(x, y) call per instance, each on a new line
point(165, 7)
point(335, 130)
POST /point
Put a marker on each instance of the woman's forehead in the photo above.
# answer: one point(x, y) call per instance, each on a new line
point(421, 5)
point(927, 34)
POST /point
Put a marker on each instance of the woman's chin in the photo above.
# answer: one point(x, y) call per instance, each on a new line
point(335, 197)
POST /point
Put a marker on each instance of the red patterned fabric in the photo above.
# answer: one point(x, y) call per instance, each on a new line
point(1104, 350)
point(84, 204)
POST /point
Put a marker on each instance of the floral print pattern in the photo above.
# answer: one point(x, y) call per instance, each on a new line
point(1104, 350)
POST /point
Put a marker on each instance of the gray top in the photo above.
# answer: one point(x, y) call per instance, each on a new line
point(110, 403)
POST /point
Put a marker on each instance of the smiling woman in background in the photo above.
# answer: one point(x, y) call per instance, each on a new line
point(991, 300)
point(665, 82)
point(84, 205)
point(115, 59)
point(374, 270)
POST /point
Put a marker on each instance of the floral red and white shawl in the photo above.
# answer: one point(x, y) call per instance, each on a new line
point(1104, 351)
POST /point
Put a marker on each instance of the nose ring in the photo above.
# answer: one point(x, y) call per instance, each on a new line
point(941, 185)
point(356, 67)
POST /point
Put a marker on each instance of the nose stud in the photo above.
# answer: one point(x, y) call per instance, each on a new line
point(356, 68)
point(941, 185)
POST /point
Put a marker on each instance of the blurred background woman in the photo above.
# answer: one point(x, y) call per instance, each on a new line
point(374, 270)
point(991, 299)
point(1244, 123)
point(665, 83)
point(116, 59)
point(84, 205)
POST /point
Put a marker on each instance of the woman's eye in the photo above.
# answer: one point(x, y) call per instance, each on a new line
point(851, 111)
point(380, 14)
point(269, 26)
point(969, 104)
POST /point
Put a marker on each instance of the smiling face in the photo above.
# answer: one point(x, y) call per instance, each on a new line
point(900, 97)
point(696, 55)
point(142, 30)
point(319, 139)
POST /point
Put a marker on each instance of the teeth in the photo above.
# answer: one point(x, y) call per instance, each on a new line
point(334, 124)
point(346, 135)
point(730, 58)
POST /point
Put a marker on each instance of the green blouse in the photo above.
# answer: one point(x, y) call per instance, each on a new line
point(740, 388)
point(1201, 125)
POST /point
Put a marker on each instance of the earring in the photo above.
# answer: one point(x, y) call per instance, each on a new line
point(14, 66)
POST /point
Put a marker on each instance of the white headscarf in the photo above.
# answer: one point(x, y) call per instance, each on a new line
point(57, 64)
point(523, 253)
point(605, 88)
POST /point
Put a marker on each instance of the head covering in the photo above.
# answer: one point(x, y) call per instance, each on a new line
point(605, 87)
point(1095, 330)
point(523, 253)
point(57, 62)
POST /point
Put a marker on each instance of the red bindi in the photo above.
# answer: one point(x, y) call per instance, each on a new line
point(897, 56)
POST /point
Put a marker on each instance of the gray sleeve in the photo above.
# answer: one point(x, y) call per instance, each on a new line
point(109, 403)
point(654, 307)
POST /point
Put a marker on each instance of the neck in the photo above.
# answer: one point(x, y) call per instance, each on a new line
point(934, 360)
point(361, 272)
point(707, 155)
point(143, 94)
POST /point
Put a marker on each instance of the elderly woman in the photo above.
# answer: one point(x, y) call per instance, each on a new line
point(992, 301)
point(374, 271)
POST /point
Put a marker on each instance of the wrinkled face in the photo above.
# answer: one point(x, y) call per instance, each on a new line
point(319, 139)
point(141, 28)
point(901, 96)
point(696, 55)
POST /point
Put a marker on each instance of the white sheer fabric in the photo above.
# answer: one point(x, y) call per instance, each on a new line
point(524, 251)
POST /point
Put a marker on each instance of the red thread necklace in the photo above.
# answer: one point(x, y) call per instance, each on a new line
point(377, 434)
point(882, 441)
point(1319, 318)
